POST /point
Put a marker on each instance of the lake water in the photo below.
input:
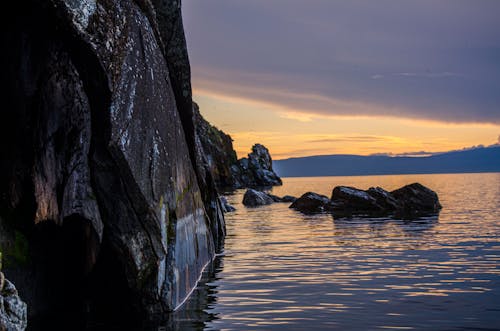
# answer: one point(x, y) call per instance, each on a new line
point(282, 270)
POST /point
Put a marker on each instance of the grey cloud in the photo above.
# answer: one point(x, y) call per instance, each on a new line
point(418, 59)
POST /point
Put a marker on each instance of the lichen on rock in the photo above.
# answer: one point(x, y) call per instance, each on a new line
point(100, 171)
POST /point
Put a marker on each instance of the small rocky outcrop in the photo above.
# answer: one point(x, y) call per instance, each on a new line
point(416, 200)
point(220, 159)
point(255, 170)
point(264, 198)
point(311, 202)
point(288, 198)
point(254, 198)
point(408, 202)
point(13, 311)
point(226, 207)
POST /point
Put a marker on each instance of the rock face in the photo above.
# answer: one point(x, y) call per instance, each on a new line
point(217, 148)
point(256, 170)
point(408, 202)
point(104, 189)
point(253, 198)
point(13, 311)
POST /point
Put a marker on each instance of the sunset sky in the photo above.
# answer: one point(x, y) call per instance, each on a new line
point(347, 77)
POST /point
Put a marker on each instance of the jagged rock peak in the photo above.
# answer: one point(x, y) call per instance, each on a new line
point(256, 170)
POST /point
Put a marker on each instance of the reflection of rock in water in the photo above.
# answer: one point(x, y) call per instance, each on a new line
point(194, 315)
point(380, 226)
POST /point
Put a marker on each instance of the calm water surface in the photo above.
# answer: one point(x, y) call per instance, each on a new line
point(282, 270)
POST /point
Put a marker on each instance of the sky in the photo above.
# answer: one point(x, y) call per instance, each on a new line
point(317, 77)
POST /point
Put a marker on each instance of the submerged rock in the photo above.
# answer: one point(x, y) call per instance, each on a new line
point(311, 202)
point(416, 200)
point(254, 198)
point(13, 311)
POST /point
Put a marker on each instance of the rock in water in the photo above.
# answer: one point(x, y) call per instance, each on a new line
point(311, 202)
point(254, 198)
point(384, 199)
point(226, 207)
point(288, 198)
point(416, 200)
point(13, 311)
point(350, 200)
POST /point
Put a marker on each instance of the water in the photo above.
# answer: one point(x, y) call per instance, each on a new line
point(283, 270)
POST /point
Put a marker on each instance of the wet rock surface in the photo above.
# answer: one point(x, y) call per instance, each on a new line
point(408, 202)
point(105, 196)
point(350, 200)
point(311, 202)
point(416, 200)
point(226, 207)
point(13, 311)
point(254, 198)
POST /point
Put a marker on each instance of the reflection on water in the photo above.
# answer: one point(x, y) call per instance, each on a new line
point(285, 270)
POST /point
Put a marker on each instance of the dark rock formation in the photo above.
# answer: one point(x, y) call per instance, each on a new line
point(13, 311)
point(311, 202)
point(288, 198)
point(217, 148)
point(256, 170)
point(384, 199)
point(416, 200)
point(226, 207)
point(254, 198)
point(350, 200)
point(411, 201)
point(220, 159)
point(105, 195)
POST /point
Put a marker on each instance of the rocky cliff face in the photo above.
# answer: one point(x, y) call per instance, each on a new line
point(13, 312)
point(256, 170)
point(218, 149)
point(105, 198)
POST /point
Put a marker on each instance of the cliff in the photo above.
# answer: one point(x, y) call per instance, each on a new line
point(218, 148)
point(255, 170)
point(107, 205)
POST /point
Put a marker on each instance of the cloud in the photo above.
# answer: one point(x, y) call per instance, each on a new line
point(429, 74)
point(424, 59)
point(350, 139)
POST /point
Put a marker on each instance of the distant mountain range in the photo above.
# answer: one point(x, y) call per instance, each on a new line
point(485, 159)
